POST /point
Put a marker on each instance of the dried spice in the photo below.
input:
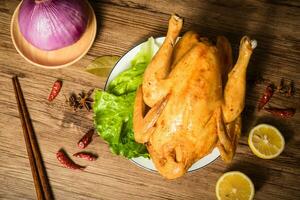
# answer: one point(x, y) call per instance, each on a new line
point(269, 91)
point(55, 90)
point(66, 162)
point(280, 86)
point(80, 101)
point(291, 90)
point(86, 156)
point(286, 88)
point(86, 139)
point(281, 112)
point(72, 101)
point(85, 100)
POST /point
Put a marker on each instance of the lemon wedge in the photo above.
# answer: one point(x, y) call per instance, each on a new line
point(234, 186)
point(266, 141)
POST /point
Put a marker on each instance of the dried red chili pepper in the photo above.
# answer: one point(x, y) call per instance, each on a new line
point(66, 161)
point(281, 112)
point(86, 139)
point(266, 96)
point(86, 155)
point(55, 90)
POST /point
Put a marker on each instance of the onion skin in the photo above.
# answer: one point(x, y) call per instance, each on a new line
point(52, 24)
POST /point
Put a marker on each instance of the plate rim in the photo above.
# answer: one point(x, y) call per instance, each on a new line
point(131, 160)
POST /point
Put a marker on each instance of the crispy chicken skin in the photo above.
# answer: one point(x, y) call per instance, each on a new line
point(190, 112)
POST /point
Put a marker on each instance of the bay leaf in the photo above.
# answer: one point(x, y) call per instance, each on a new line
point(103, 65)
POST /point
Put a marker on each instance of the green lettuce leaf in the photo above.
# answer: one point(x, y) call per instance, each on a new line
point(113, 110)
point(130, 79)
point(113, 121)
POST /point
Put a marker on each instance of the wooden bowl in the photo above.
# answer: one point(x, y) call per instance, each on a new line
point(57, 58)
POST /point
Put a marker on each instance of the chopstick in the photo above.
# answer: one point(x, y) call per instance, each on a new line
point(42, 186)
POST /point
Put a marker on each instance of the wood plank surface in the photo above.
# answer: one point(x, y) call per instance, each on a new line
point(121, 25)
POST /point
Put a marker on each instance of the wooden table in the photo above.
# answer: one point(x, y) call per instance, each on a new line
point(121, 25)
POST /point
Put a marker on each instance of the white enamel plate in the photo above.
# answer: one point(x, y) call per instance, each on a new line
point(145, 163)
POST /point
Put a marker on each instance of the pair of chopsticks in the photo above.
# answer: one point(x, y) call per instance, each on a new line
point(41, 183)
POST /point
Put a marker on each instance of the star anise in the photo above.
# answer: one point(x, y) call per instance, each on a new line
point(85, 100)
point(80, 101)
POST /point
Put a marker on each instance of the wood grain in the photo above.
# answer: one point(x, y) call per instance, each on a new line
point(121, 25)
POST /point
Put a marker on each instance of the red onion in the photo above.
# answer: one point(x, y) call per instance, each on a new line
point(52, 24)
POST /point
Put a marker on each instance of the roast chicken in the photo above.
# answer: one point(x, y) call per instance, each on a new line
point(191, 100)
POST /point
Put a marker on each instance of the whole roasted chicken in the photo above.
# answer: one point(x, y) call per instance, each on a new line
point(191, 100)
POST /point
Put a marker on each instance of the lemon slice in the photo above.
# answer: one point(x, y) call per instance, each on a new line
point(234, 186)
point(266, 141)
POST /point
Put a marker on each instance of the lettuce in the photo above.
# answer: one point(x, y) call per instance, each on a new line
point(113, 110)
point(113, 121)
point(130, 79)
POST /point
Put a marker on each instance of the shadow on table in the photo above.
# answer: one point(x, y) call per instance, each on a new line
point(258, 174)
point(234, 19)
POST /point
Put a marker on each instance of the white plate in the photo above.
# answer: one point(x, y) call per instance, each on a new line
point(145, 163)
